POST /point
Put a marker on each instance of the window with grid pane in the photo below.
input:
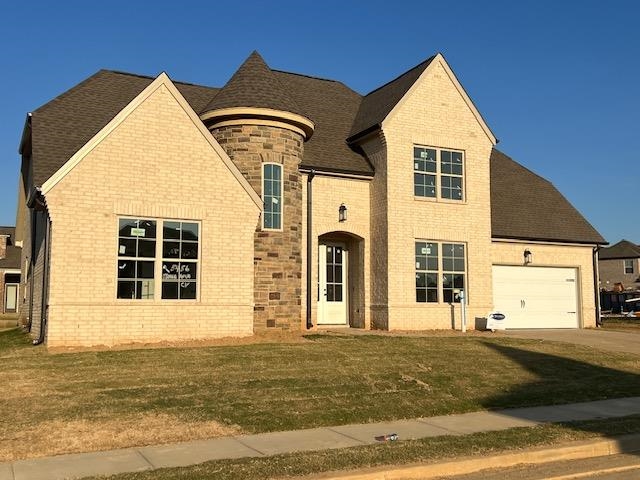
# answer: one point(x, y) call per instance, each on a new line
point(438, 173)
point(272, 196)
point(440, 270)
point(424, 172)
point(451, 175)
point(179, 260)
point(426, 272)
point(452, 270)
point(136, 258)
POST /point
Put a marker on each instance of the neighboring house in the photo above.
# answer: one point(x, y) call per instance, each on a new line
point(162, 210)
point(620, 263)
point(10, 254)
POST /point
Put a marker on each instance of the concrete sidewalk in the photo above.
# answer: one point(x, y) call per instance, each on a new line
point(261, 445)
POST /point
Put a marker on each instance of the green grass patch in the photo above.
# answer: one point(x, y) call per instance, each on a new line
point(326, 380)
point(428, 450)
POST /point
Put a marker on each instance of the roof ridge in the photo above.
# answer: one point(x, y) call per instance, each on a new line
point(313, 77)
point(151, 77)
point(428, 60)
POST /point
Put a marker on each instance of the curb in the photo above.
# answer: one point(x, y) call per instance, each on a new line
point(572, 451)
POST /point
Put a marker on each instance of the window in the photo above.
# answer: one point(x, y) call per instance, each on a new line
point(433, 167)
point(139, 259)
point(440, 270)
point(179, 260)
point(628, 266)
point(272, 196)
point(136, 255)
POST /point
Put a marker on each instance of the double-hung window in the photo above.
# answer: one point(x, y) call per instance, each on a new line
point(272, 196)
point(147, 253)
point(438, 173)
point(628, 266)
point(440, 271)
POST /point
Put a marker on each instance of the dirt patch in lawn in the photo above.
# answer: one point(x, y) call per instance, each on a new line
point(72, 436)
point(258, 338)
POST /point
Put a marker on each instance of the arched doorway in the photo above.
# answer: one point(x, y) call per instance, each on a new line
point(340, 286)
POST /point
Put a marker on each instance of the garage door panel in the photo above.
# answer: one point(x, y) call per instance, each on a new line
point(536, 297)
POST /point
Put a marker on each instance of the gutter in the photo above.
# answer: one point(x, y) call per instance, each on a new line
point(311, 174)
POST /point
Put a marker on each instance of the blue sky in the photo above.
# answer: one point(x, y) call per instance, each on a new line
point(556, 81)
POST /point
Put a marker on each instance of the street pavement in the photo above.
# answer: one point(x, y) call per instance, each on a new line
point(266, 444)
point(610, 467)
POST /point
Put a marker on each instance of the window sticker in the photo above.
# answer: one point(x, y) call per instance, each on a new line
point(123, 249)
point(137, 232)
point(425, 250)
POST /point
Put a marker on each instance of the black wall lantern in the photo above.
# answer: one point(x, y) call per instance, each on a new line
point(528, 257)
point(342, 213)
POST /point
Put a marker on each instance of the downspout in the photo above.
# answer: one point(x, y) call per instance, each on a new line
point(596, 284)
point(32, 264)
point(310, 176)
point(45, 282)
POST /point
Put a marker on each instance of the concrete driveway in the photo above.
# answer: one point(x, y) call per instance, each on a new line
point(596, 338)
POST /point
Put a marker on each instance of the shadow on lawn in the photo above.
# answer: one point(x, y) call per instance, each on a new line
point(610, 397)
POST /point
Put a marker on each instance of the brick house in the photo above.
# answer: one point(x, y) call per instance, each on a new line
point(160, 210)
point(620, 263)
point(10, 254)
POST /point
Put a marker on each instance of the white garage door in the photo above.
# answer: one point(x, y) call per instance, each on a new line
point(536, 297)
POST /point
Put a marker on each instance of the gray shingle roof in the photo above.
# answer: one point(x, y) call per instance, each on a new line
point(13, 254)
point(332, 106)
point(526, 206)
point(254, 85)
point(63, 125)
point(376, 105)
point(622, 249)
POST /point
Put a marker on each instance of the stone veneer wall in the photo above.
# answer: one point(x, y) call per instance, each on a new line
point(277, 254)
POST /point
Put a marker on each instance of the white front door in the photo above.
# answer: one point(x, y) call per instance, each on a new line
point(10, 297)
point(536, 297)
point(332, 284)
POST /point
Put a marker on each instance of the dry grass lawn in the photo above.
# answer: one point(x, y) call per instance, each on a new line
point(96, 400)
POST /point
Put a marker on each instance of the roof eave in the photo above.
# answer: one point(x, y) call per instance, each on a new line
point(26, 134)
point(550, 240)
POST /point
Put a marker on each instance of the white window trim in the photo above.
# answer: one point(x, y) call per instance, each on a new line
point(438, 174)
point(440, 272)
point(158, 259)
point(624, 266)
point(281, 199)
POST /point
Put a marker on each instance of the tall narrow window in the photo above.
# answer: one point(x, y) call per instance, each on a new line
point(136, 255)
point(426, 272)
point(179, 260)
point(272, 196)
point(451, 174)
point(628, 266)
point(452, 270)
point(424, 172)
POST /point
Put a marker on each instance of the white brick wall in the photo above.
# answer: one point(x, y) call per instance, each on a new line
point(435, 114)
point(156, 163)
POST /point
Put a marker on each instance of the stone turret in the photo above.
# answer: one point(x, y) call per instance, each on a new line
point(257, 123)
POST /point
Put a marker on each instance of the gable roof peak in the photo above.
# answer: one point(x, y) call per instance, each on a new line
point(622, 249)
